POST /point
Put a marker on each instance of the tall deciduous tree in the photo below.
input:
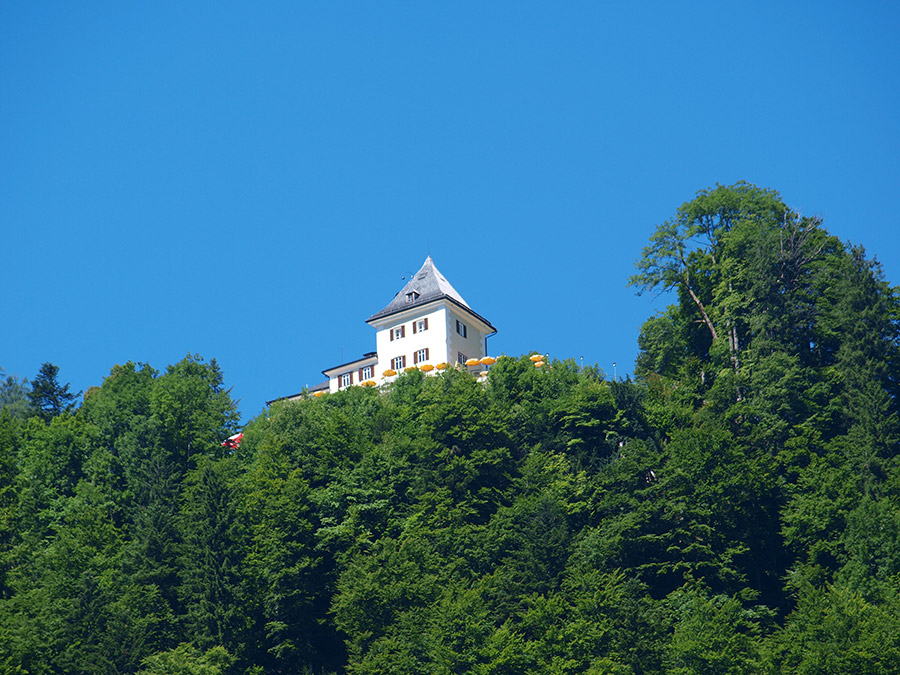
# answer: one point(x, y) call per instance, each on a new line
point(687, 254)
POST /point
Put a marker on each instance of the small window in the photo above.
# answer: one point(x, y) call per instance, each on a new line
point(412, 296)
point(461, 328)
point(420, 325)
point(420, 356)
point(398, 332)
point(461, 358)
point(366, 373)
point(346, 379)
point(398, 363)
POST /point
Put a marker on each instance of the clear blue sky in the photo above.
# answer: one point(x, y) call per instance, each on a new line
point(250, 181)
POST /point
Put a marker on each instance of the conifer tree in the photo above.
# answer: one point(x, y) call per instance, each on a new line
point(48, 397)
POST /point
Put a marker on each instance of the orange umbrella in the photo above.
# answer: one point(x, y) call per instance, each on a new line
point(488, 361)
point(390, 372)
point(536, 357)
point(442, 366)
point(473, 362)
point(426, 368)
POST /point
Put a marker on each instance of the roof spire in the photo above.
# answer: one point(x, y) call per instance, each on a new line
point(426, 285)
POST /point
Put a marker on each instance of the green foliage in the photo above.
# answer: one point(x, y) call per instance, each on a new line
point(212, 550)
point(835, 630)
point(733, 510)
point(185, 659)
point(712, 636)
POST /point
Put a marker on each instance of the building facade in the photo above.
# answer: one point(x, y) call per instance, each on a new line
point(427, 326)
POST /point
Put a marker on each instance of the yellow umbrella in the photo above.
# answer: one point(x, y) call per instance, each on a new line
point(390, 372)
point(426, 368)
point(473, 362)
point(488, 361)
point(442, 366)
point(368, 383)
point(538, 364)
point(536, 357)
point(319, 393)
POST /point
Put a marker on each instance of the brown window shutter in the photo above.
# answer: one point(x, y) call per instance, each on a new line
point(426, 323)
point(414, 327)
point(351, 377)
point(403, 331)
point(427, 355)
point(360, 375)
point(415, 358)
point(392, 334)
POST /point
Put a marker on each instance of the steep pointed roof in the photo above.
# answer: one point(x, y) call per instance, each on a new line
point(426, 285)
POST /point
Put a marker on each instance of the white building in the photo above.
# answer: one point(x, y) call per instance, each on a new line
point(426, 324)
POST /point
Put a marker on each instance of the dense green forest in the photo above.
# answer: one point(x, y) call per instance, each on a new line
point(732, 509)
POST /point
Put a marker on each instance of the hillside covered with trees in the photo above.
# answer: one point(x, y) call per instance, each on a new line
point(733, 509)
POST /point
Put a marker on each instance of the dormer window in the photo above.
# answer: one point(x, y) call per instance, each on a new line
point(412, 296)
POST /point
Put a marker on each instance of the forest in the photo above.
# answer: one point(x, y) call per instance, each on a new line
point(734, 507)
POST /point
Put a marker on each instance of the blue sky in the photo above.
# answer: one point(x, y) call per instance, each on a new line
point(250, 181)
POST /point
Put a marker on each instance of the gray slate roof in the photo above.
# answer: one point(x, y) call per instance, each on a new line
point(430, 285)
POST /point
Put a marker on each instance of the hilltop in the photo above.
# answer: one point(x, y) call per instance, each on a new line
point(733, 509)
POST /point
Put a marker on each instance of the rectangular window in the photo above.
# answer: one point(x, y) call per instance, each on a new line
point(398, 363)
point(421, 356)
point(366, 373)
point(346, 379)
point(398, 332)
point(420, 325)
point(461, 358)
point(461, 328)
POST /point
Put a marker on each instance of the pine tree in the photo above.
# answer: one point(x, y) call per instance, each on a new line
point(48, 398)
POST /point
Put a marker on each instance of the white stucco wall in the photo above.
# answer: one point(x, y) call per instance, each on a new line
point(334, 380)
point(473, 345)
point(441, 338)
point(433, 339)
